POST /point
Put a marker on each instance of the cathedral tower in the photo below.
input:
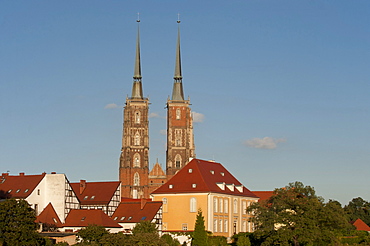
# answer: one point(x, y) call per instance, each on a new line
point(134, 158)
point(180, 139)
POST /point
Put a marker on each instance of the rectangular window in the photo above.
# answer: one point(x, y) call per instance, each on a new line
point(221, 207)
point(244, 207)
point(226, 225)
point(220, 225)
point(215, 225)
point(215, 202)
point(226, 205)
point(184, 227)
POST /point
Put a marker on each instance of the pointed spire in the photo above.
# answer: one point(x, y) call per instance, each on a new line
point(137, 90)
point(177, 92)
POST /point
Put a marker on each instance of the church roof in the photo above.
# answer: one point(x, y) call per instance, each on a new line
point(157, 172)
point(85, 217)
point(94, 193)
point(18, 186)
point(49, 216)
point(136, 210)
point(360, 225)
point(204, 176)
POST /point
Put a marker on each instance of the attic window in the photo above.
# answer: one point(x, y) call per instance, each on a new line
point(85, 198)
point(83, 218)
point(9, 190)
point(170, 186)
point(123, 217)
point(129, 218)
point(213, 172)
point(194, 185)
point(92, 198)
point(2, 181)
point(190, 170)
point(55, 220)
point(18, 191)
point(143, 218)
point(116, 218)
point(26, 190)
point(222, 174)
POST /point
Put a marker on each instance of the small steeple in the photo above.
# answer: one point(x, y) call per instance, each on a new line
point(177, 92)
point(137, 90)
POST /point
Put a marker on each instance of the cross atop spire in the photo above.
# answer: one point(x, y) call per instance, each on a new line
point(137, 90)
point(177, 92)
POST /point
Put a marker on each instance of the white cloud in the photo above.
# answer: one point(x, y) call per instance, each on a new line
point(198, 117)
point(154, 115)
point(111, 105)
point(163, 132)
point(264, 143)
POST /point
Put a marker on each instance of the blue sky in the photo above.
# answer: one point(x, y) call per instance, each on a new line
point(280, 88)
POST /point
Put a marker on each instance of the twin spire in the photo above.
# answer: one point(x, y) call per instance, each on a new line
point(137, 90)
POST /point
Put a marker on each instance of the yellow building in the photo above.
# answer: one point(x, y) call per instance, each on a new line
point(209, 186)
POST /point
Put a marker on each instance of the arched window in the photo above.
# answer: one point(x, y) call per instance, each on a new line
point(136, 179)
point(136, 160)
point(137, 139)
point(193, 204)
point(164, 200)
point(235, 208)
point(178, 114)
point(178, 161)
point(178, 136)
point(137, 117)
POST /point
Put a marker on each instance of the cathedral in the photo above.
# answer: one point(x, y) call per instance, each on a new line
point(136, 179)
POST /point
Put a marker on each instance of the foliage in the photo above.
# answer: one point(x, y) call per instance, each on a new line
point(92, 234)
point(116, 239)
point(17, 224)
point(200, 234)
point(295, 215)
point(145, 226)
point(217, 241)
point(170, 241)
point(358, 208)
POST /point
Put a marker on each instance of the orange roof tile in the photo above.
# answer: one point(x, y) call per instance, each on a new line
point(18, 186)
point(49, 216)
point(136, 210)
point(157, 172)
point(204, 176)
point(85, 217)
point(360, 225)
point(95, 193)
point(263, 195)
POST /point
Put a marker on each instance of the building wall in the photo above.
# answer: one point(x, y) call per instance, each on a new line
point(177, 213)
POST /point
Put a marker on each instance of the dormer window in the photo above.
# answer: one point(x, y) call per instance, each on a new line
point(170, 186)
point(123, 217)
point(9, 190)
point(129, 218)
point(92, 198)
point(213, 172)
point(222, 174)
point(26, 190)
point(194, 185)
point(85, 198)
point(18, 191)
point(190, 170)
point(83, 218)
point(116, 218)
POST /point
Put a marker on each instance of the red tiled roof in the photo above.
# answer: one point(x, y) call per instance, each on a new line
point(361, 225)
point(49, 216)
point(157, 171)
point(85, 217)
point(95, 193)
point(135, 211)
point(204, 176)
point(18, 186)
point(263, 195)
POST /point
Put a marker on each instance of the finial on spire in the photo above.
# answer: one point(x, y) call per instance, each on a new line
point(138, 17)
point(178, 18)
point(137, 91)
point(177, 92)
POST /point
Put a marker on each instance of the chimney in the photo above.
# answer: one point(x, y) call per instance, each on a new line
point(143, 202)
point(82, 185)
point(5, 174)
point(21, 174)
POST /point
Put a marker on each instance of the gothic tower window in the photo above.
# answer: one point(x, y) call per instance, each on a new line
point(178, 114)
point(136, 179)
point(178, 137)
point(137, 117)
point(178, 161)
point(136, 160)
point(137, 139)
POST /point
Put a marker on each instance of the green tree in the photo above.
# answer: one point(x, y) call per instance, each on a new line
point(166, 238)
point(295, 215)
point(92, 234)
point(200, 234)
point(17, 224)
point(358, 208)
point(146, 233)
